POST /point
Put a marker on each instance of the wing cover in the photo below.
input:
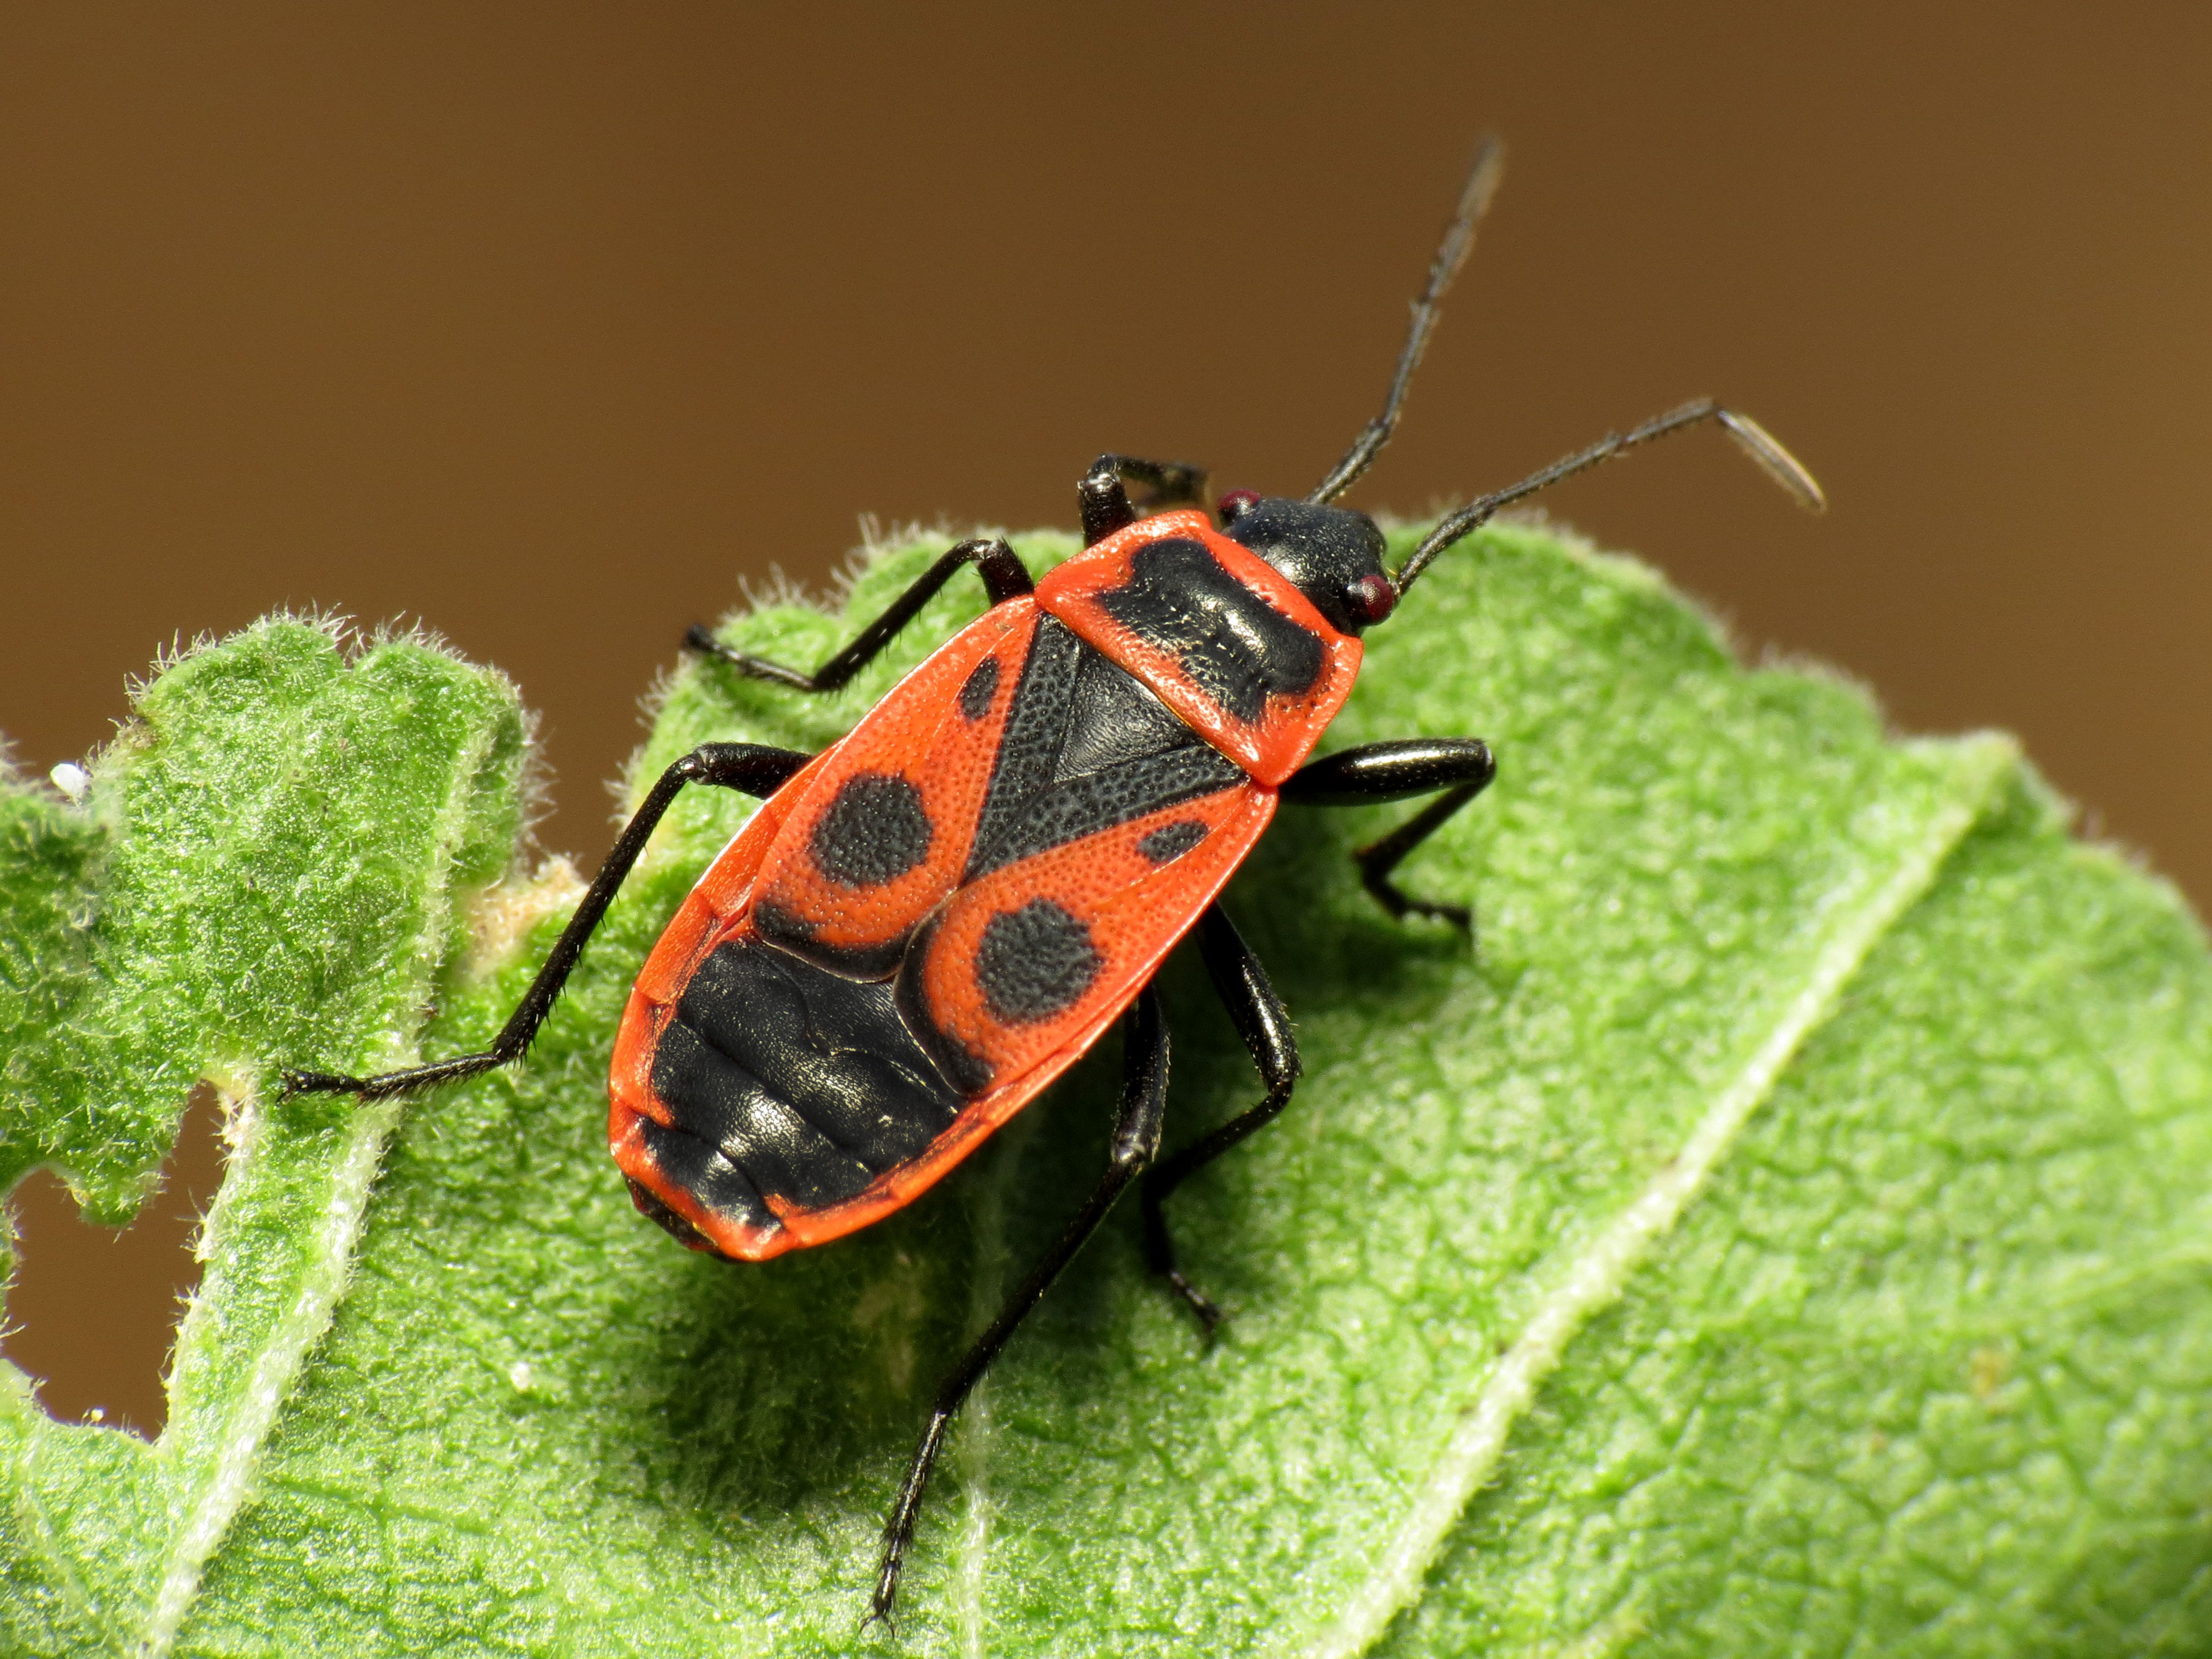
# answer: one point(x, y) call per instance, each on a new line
point(876, 840)
point(1027, 966)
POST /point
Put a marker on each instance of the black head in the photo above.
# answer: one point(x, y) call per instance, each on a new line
point(1335, 555)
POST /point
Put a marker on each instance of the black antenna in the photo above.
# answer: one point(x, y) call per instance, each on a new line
point(1775, 461)
point(1451, 253)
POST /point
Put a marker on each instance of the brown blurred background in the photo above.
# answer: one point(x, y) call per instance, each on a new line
point(549, 324)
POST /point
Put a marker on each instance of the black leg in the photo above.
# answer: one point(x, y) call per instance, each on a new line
point(1005, 577)
point(1265, 1024)
point(1136, 1138)
point(1103, 498)
point(1460, 766)
point(749, 767)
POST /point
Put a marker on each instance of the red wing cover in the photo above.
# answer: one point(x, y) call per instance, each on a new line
point(1007, 987)
point(874, 841)
point(1026, 967)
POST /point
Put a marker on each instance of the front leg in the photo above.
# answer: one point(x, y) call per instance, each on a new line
point(1005, 577)
point(752, 768)
point(1103, 496)
point(1373, 773)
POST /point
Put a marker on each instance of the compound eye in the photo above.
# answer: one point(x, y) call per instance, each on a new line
point(1371, 598)
point(1234, 505)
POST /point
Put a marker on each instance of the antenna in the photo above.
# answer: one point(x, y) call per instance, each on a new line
point(1451, 253)
point(1753, 439)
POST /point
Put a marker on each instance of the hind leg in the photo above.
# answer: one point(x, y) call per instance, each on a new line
point(751, 768)
point(1136, 1138)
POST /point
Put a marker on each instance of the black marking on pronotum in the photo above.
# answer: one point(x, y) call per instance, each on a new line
point(874, 831)
point(980, 688)
point(1170, 841)
point(1235, 646)
point(1035, 962)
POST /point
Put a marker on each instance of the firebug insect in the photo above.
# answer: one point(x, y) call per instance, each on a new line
point(929, 921)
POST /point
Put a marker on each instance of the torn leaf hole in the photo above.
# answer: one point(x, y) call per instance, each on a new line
point(92, 1312)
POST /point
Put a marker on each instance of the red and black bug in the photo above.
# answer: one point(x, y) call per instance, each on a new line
point(931, 919)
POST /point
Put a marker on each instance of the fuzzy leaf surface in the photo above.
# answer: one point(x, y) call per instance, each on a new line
point(1783, 1234)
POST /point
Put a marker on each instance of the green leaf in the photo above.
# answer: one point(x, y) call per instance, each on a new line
point(1786, 1231)
point(268, 862)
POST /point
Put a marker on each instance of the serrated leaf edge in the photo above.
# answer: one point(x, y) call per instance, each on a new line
point(1864, 913)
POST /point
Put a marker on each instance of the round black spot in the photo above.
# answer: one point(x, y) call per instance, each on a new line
point(1170, 841)
point(982, 687)
point(1035, 961)
point(875, 831)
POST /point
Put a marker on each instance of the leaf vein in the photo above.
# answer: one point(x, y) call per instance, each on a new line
point(225, 1480)
point(225, 1483)
point(1864, 913)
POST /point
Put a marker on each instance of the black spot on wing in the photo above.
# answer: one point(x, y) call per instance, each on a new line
point(811, 1084)
point(1035, 962)
point(980, 688)
point(1235, 646)
point(874, 830)
point(1170, 841)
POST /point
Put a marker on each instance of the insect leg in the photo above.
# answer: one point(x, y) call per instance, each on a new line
point(1460, 766)
point(1136, 1139)
point(752, 768)
point(1265, 1024)
point(1005, 577)
point(1103, 494)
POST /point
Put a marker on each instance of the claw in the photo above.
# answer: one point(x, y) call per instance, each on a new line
point(1210, 1318)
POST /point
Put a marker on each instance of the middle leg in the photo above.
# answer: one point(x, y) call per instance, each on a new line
point(1460, 766)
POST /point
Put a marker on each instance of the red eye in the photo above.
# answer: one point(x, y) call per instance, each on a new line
point(1371, 598)
point(1234, 505)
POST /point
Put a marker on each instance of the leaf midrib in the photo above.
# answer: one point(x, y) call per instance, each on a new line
point(219, 1478)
